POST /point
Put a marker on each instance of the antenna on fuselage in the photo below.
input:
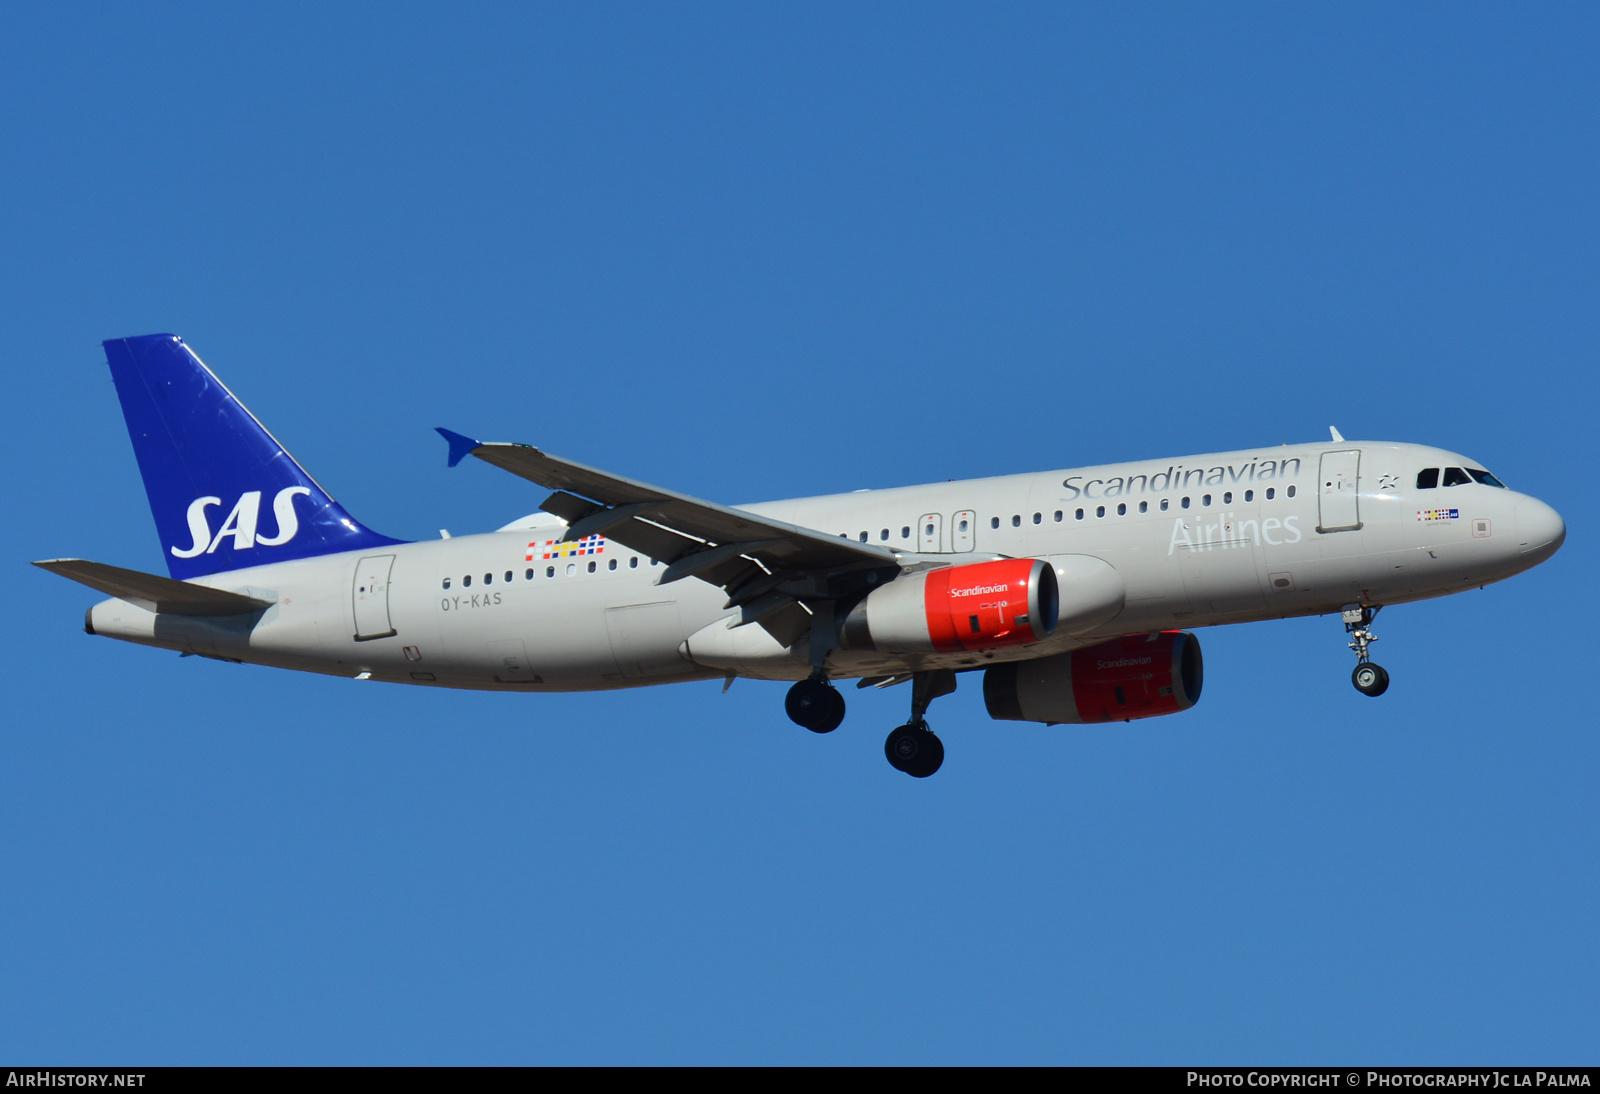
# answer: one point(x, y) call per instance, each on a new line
point(1336, 438)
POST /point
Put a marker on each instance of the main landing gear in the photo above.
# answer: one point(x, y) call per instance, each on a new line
point(815, 704)
point(1369, 677)
point(913, 748)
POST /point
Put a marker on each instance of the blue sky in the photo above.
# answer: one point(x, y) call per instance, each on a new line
point(754, 252)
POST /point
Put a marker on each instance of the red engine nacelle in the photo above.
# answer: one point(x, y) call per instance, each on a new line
point(1140, 676)
point(980, 606)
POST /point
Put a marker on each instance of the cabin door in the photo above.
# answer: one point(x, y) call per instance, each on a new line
point(1338, 502)
point(370, 593)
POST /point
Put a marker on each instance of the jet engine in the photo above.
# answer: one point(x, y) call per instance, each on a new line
point(1139, 676)
point(979, 606)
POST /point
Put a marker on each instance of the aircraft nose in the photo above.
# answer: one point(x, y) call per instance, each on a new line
point(1540, 529)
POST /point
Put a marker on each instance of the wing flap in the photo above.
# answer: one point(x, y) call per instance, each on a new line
point(151, 592)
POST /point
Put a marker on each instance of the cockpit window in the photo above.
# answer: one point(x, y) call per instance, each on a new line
point(1428, 478)
point(1484, 477)
point(1454, 476)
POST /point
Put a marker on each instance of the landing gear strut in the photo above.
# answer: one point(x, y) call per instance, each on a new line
point(1369, 677)
point(913, 748)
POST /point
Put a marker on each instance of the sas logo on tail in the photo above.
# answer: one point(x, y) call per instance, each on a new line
point(241, 523)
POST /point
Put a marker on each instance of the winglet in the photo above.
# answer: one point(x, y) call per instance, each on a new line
point(1336, 438)
point(460, 447)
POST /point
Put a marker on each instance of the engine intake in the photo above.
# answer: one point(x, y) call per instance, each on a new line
point(1140, 676)
point(979, 606)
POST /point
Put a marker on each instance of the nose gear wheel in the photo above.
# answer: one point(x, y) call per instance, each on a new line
point(1370, 679)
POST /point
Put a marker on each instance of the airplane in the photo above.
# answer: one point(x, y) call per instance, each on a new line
point(1073, 592)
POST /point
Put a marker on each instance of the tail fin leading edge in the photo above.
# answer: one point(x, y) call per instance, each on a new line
point(224, 493)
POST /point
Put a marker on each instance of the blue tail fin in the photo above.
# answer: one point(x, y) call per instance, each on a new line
point(223, 491)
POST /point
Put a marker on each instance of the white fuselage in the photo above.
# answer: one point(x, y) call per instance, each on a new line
point(1204, 540)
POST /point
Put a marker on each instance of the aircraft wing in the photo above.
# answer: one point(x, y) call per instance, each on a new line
point(153, 593)
point(768, 567)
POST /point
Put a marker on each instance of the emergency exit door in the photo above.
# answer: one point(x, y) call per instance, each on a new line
point(962, 528)
point(1338, 493)
point(930, 533)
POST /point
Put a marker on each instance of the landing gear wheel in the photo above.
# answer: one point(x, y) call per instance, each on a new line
point(913, 749)
point(1370, 679)
point(816, 705)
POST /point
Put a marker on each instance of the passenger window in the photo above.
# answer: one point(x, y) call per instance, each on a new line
point(928, 531)
point(1037, 517)
point(1249, 495)
point(884, 535)
point(1058, 516)
point(447, 583)
point(1016, 521)
point(1122, 508)
point(1206, 500)
point(1144, 507)
point(591, 567)
point(612, 565)
point(1289, 492)
point(994, 522)
point(466, 582)
point(1270, 493)
point(1227, 499)
point(1484, 477)
point(1077, 514)
point(1100, 510)
point(572, 568)
point(633, 563)
point(508, 577)
point(905, 533)
point(529, 575)
point(863, 537)
point(488, 579)
point(549, 571)
point(1163, 505)
point(1428, 478)
point(1186, 503)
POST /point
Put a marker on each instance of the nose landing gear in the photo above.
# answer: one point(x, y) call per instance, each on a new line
point(1369, 677)
point(913, 748)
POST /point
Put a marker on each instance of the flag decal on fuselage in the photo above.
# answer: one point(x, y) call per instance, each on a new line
point(553, 548)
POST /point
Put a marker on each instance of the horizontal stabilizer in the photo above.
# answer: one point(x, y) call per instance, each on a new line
point(153, 593)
